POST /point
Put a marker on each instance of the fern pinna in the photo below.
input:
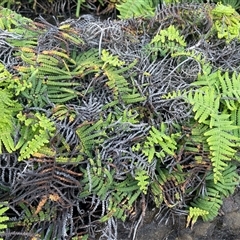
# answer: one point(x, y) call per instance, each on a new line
point(3, 218)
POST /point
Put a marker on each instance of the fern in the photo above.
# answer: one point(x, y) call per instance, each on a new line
point(208, 206)
point(158, 144)
point(35, 133)
point(221, 143)
point(3, 219)
point(234, 3)
point(235, 118)
point(87, 62)
point(157, 193)
point(31, 219)
point(48, 81)
point(9, 109)
point(230, 90)
point(143, 180)
point(135, 8)
point(210, 203)
point(10, 20)
point(228, 182)
point(166, 41)
point(110, 59)
point(205, 102)
point(226, 22)
point(90, 134)
point(99, 180)
point(166, 187)
point(194, 213)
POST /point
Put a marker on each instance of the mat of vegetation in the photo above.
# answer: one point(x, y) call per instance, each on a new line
point(102, 118)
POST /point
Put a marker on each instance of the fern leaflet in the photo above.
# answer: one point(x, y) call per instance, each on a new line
point(158, 138)
point(143, 180)
point(9, 109)
point(205, 103)
point(230, 89)
point(3, 218)
point(221, 142)
point(35, 134)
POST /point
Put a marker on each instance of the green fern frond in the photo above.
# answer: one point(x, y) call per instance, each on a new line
point(90, 134)
point(9, 109)
point(208, 206)
point(143, 180)
point(227, 183)
point(10, 20)
point(196, 142)
point(230, 89)
point(97, 180)
point(110, 59)
point(166, 41)
point(205, 102)
point(35, 133)
point(221, 142)
point(158, 139)
point(210, 203)
point(194, 214)
point(120, 86)
point(156, 190)
point(47, 59)
point(121, 200)
point(235, 118)
point(61, 54)
point(234, 3)
point(44, 82)
point(206, 77)
point(3, 219)
point(226, 22)
point(135, 8)
point(116, 82)
point(88, 62)
point(5, 76)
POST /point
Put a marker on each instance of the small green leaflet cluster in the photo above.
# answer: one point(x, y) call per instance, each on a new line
point(160, 140)
point(35, 133)
point(143, 180)
point(166, 41)
point(226, 22)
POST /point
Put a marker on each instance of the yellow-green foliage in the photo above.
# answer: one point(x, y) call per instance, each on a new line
point(106, 125)
point(166, 41)
point(3, 219)
point(35, 133)
point(158, 144)
point(226, 22)
point(135, 8)
point(9, 109)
